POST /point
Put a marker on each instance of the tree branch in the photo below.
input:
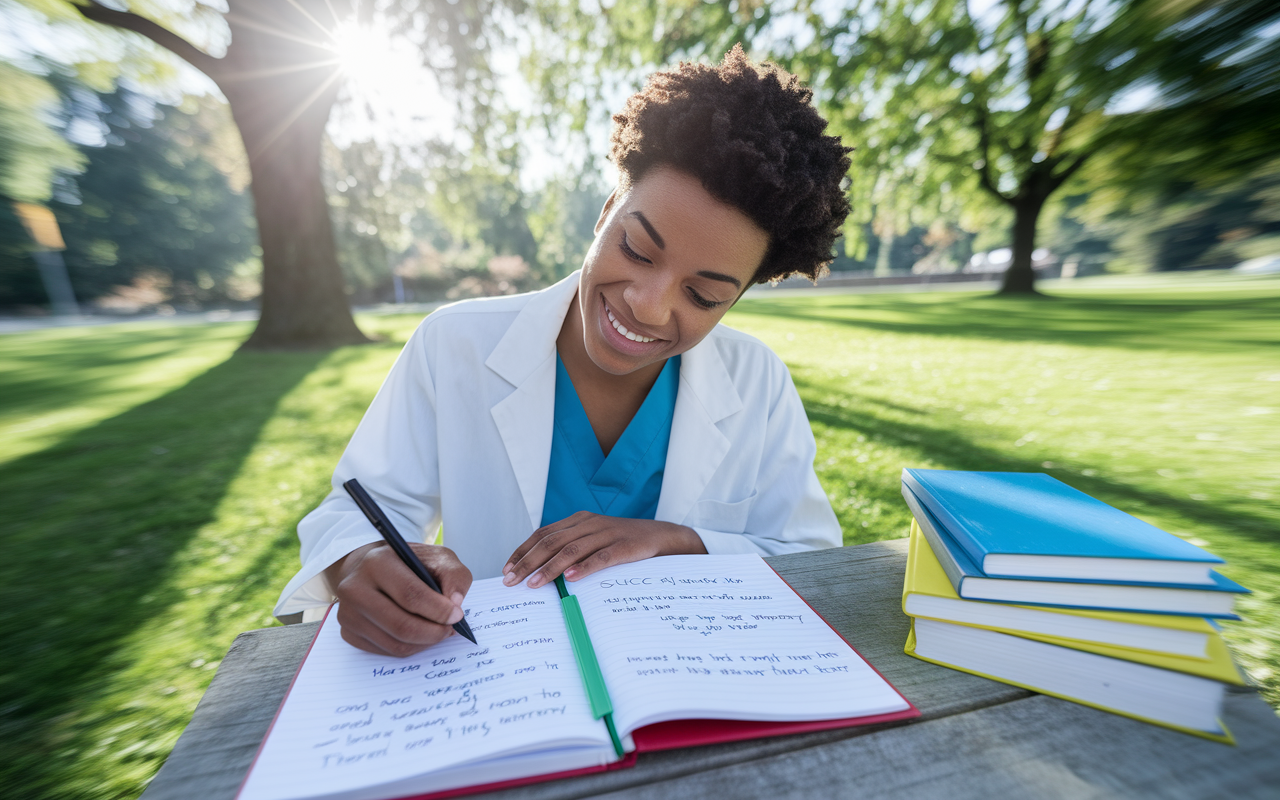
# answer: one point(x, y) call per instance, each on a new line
point(1061, 178)
point(160, 35)
point(984, 173)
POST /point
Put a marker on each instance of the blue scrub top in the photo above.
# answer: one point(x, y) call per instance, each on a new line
point(628, 482)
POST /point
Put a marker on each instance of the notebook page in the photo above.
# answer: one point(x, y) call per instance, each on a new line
point(720, 637)
point(354, 719)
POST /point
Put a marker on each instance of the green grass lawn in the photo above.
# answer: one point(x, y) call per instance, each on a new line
point(152, 477)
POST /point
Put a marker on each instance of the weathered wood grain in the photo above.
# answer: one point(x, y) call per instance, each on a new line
point(974, 735)
point(1038, 747)
point(213, 754)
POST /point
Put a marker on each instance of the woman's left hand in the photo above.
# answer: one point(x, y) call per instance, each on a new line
point(585, 543)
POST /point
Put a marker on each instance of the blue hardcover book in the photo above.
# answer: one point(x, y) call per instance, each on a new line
point(1029, 525)
point(972, 584)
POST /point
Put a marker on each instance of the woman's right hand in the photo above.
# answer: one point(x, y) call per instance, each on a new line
point(385, 609)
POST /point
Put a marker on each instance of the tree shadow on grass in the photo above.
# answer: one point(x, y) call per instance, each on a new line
point(79, 365)
point(949, 449)
point(1204, 323)
point(90, 527)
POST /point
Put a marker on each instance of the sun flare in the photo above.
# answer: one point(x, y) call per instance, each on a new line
point(366, 55)
point(394, 93)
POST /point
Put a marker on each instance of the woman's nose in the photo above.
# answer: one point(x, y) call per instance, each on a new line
point(650, 300)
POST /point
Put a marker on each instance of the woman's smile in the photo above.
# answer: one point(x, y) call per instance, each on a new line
point(620, 328)
point(626, 339)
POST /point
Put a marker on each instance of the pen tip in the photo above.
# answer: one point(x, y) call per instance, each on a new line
point(464, 629)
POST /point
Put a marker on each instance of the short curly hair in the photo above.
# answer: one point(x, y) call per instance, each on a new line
point(750, 134)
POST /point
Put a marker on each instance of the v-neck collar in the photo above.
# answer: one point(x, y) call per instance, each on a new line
point(525, 359)
point(607, 476)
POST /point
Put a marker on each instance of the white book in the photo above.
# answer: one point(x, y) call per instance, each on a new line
point(1186, 702)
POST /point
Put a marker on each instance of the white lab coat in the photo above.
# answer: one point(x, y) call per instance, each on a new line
point(461, 431)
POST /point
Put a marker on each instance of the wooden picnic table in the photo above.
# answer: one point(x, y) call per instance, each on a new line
point(975, 738)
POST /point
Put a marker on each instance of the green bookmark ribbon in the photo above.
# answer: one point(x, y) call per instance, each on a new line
point(585, 654)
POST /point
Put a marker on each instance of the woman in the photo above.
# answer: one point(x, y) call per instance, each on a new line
point(609, 414)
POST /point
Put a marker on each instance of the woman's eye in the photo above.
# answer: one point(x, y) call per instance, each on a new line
point(702, 301)
point(632, 254)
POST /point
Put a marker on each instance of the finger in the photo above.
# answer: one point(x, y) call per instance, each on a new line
point(540, 534)
point(395, 580)
point(606, 556)
point(572, 553)
point(546, 549)
point(360, 631)
point(549, 541)
point(351, 637)
point(391, 626)
point(450, 573)
point(385, 644)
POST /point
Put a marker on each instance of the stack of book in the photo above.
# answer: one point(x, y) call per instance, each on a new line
point(1020, 578)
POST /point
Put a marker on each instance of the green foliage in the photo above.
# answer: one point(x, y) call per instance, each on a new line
point(948, 108)
point(478, 197)
point(437, 215)
point(962, 117)
point(150, 206)
point(374, 194)
point(1219, 115)
point(1188, 227)
point(32, 155)
point(579, 53)
point(562, 221)
point(100, 56)
point(32, 152)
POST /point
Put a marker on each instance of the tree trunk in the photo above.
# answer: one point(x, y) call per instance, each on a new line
point(281, 89)
point(304, 300)
point(280, 77)
point(884, 265)
point(1020, 278)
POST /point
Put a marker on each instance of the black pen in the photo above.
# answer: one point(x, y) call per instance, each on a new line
point(379, 520)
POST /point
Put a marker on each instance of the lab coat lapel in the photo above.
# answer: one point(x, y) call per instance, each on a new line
point(706, 396)
point(525, 357)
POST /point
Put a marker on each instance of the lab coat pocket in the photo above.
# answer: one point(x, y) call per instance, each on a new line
point(717, 515)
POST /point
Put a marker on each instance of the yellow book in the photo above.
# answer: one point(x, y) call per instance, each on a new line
point(1170, 699)
point(1185, 644)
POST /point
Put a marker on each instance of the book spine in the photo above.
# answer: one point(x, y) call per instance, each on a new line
point(940, 549)
point(954, 526)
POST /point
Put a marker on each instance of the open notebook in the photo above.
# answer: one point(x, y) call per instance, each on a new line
point(684, 643)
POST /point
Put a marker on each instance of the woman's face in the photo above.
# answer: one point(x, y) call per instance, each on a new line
point(668, 261)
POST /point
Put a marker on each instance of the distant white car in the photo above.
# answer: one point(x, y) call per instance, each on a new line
point(998, 260)
point(1259, 266)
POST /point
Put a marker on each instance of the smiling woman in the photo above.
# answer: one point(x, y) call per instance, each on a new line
point(609, 418)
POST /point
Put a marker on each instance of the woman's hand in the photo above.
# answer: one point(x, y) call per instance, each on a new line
point(385, 609)
point(585, 543)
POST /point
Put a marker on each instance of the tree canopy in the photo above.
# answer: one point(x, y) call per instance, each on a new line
point(959, 109)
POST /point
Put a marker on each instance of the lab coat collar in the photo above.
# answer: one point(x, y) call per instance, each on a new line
point(697, 447)
point(531, 340)
point(525, 358)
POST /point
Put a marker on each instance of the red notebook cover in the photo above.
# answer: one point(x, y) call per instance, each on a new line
point(671, 735)
point(677, 734)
